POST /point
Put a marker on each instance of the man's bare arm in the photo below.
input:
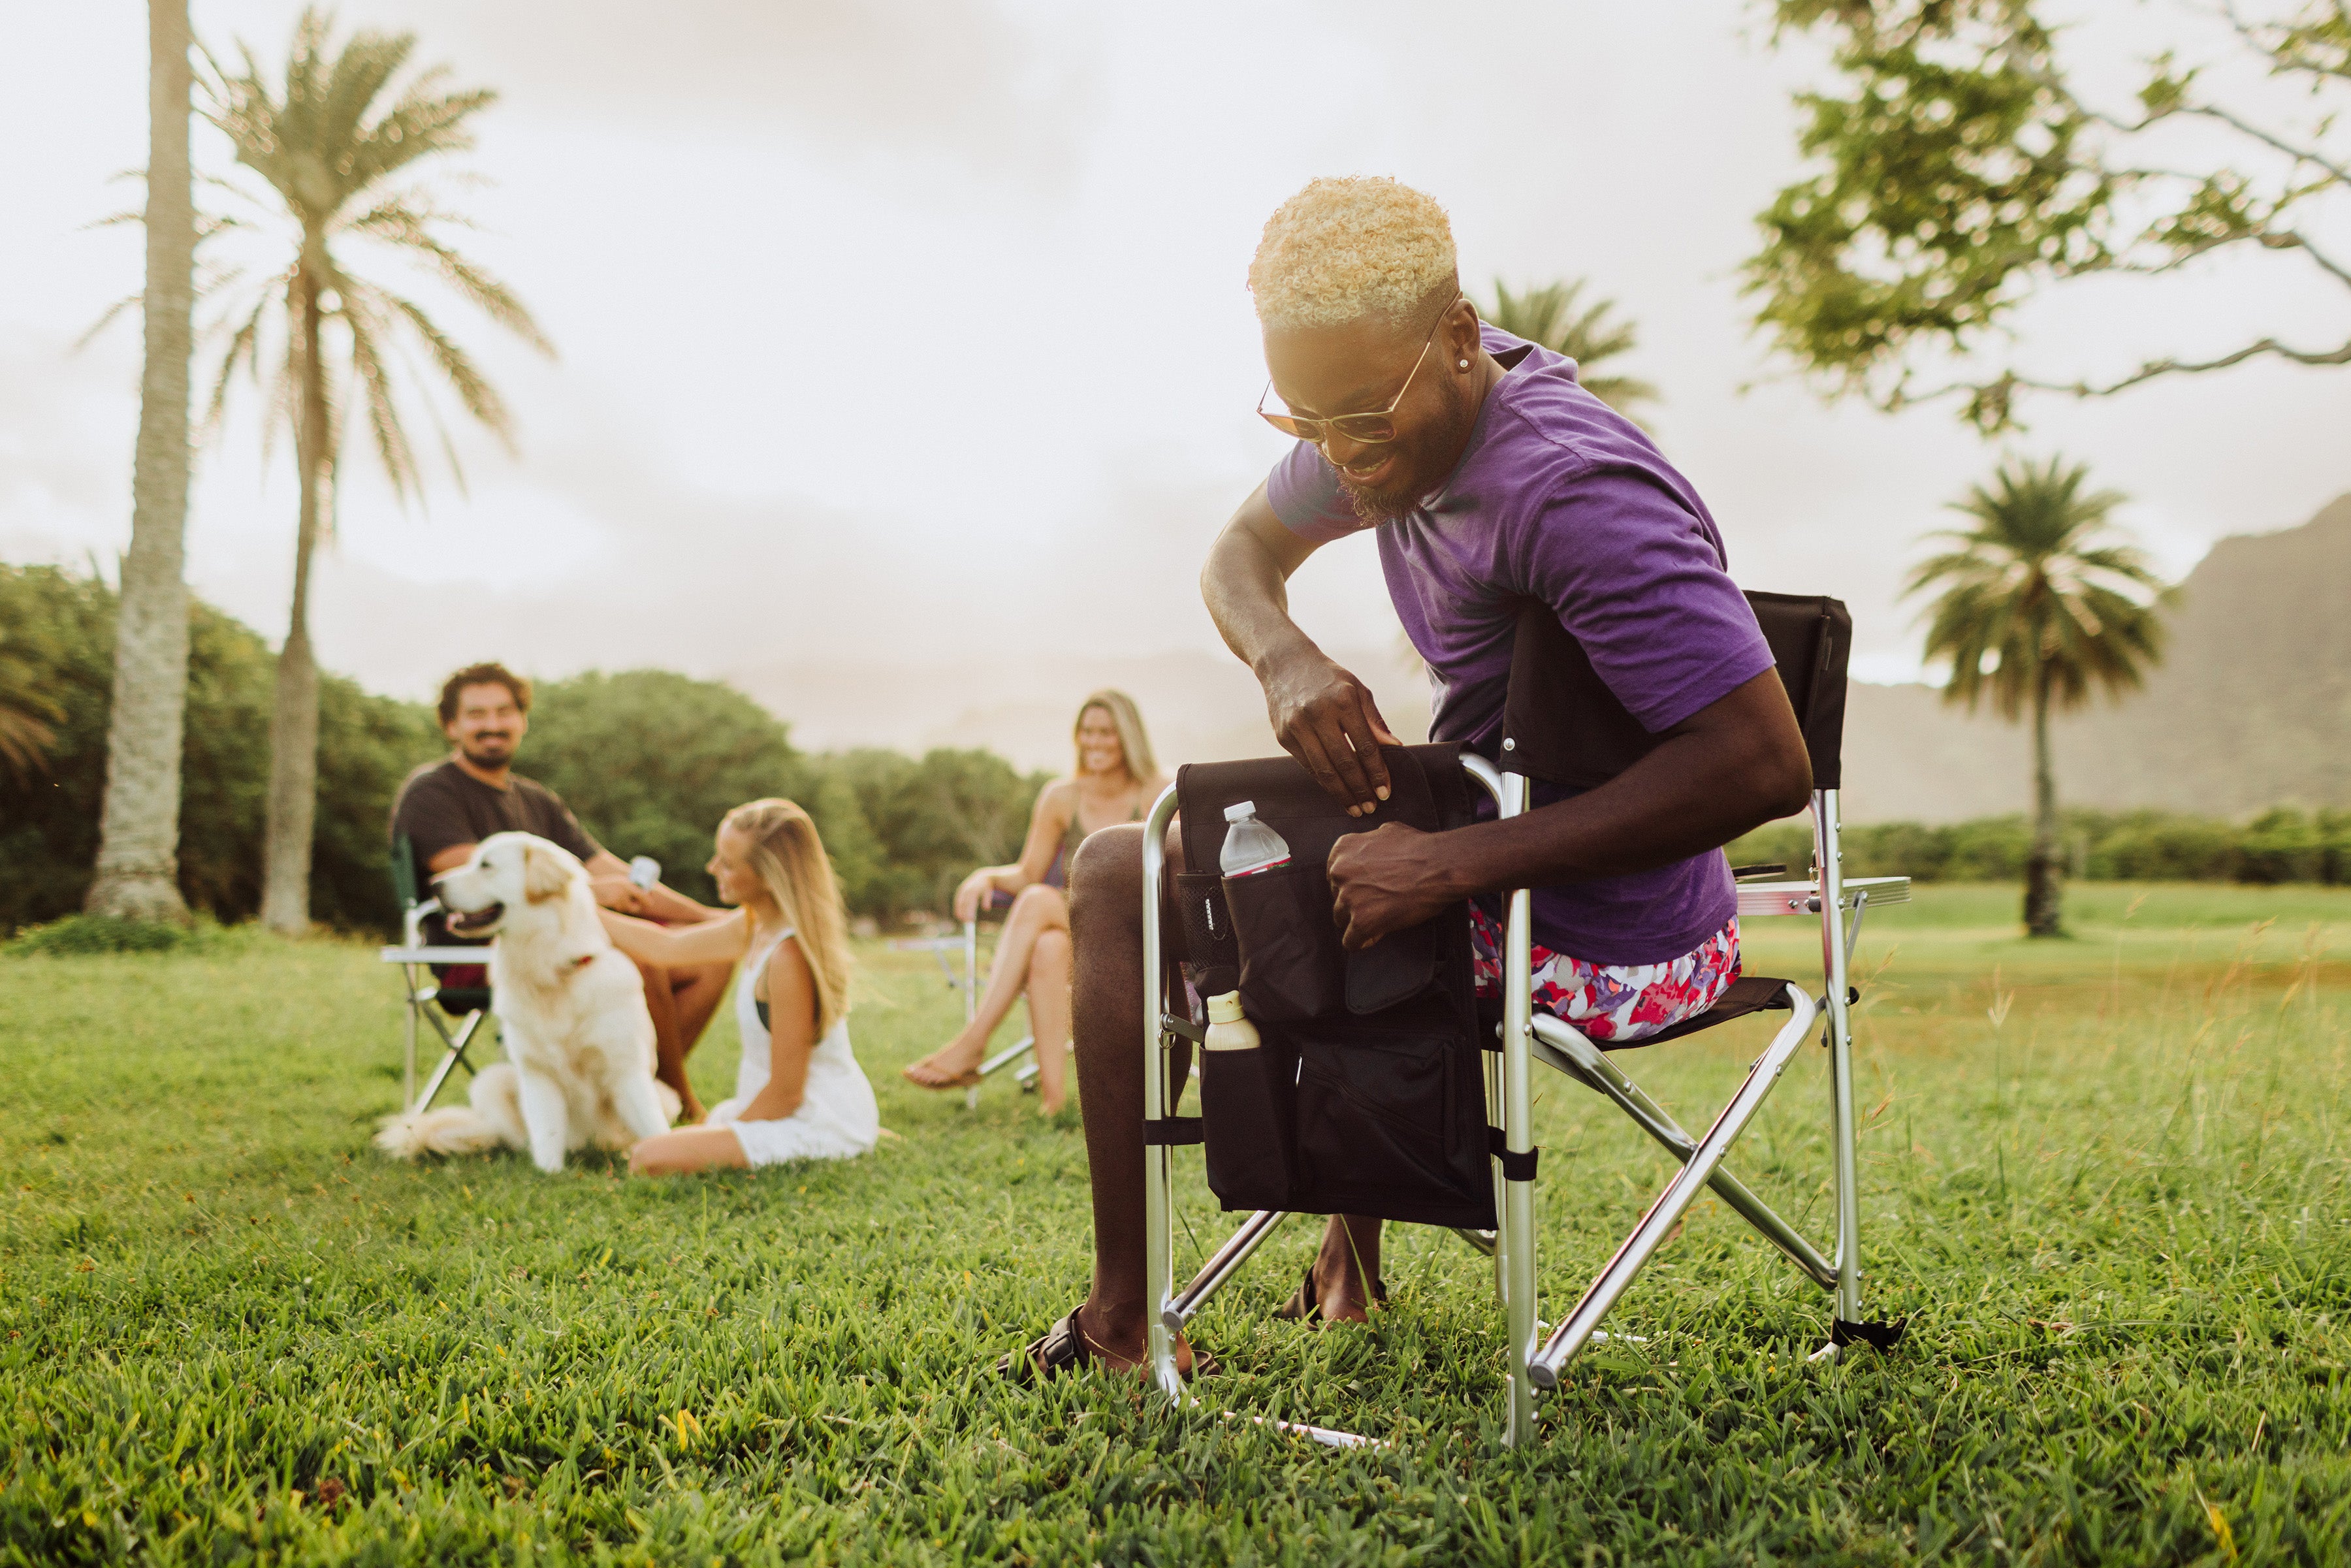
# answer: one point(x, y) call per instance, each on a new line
point(1733, 766)
point(1322, 715)
point(608, 874)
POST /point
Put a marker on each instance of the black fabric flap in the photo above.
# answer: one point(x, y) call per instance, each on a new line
point(1426, 786)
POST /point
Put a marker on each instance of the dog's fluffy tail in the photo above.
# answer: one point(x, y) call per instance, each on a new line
point(492, 1121)
point(453, 1130)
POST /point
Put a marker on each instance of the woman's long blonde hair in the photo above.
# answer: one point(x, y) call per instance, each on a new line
point(1134, 746)
point(790, 862)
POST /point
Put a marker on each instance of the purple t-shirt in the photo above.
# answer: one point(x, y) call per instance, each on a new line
point(1559, 498)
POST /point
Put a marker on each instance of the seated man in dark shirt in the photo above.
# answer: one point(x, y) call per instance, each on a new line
point(446, 808)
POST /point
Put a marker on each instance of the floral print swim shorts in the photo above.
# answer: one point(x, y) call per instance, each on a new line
point(1620, 1002)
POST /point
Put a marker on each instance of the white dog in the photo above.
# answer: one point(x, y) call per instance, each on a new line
point(570, 1010)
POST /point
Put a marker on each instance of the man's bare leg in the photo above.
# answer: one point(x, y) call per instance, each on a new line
point(1350, 1256)
point(1106, 929)
point(1037, 910)
point(697, 988)
point(668, 1048)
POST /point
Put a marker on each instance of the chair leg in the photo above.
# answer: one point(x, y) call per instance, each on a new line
point(1214, 1274)
point(450, 1057)
point(1829, 859)
point(1158, 1198)
point(408, 1058)
point(1576, 1329)
point(1562, 1047)
point(1516, 1249)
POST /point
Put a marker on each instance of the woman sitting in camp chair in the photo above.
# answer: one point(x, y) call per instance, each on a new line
point(1115, 781)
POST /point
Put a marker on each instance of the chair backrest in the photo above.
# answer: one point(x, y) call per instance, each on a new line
point(1812, 643)
point(1562, 724)
point(404, 870)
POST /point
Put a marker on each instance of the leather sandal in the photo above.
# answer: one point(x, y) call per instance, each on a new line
point(1064, 1348)
point(1305, 1303)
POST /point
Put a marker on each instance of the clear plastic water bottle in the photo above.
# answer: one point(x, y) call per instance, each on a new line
point(1250, 846)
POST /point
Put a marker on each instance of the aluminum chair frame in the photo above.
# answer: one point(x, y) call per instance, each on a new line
point(1526, 1038)
point(422, 992)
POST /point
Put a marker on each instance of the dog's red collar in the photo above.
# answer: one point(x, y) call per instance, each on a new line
point(578, 964)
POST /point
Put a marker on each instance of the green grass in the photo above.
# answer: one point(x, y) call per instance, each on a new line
point(2103, 1178)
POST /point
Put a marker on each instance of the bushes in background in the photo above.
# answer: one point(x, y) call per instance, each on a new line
point(2280, 845)
point(648, 759)
point(62, 626)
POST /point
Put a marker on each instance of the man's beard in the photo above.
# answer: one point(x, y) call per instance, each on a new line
point(1401, 499)
point(495, 753)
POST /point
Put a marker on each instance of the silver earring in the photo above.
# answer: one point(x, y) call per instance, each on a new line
point(1464, 363)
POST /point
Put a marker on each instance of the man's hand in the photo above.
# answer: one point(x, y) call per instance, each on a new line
point(1388, 880)
point(618, 892)
point(1326, 718)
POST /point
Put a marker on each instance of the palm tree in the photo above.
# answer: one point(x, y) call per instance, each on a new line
point(26, 717)
point(329, 156)
point(2035, 610)
point(139, 833)
point(1549, 316)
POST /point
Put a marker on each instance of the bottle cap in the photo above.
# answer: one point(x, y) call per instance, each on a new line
point(1245, 809)
point(1225, 1009)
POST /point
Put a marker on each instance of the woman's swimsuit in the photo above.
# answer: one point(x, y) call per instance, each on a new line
point(1057, 873)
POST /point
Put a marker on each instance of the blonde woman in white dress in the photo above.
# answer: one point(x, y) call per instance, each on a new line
point(799, 1092)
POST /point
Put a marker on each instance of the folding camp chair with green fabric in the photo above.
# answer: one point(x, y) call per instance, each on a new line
point(454, 1013)
point(1365, 1097)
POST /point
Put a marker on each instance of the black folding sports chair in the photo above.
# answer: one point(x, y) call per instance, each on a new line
point(454, 1013)
point(1360, 1101)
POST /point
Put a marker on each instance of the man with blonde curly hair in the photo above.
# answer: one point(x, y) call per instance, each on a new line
point(1492, 482)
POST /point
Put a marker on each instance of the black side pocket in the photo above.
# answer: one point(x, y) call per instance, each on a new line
point(1211, 956)
point(1393, 969)
point(1375, 1113)
point(1247, 1122)
point(1291, 965)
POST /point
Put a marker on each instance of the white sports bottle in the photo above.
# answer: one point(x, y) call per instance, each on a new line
point(1250, 846)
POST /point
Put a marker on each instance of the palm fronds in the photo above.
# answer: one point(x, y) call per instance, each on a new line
point(1551, 316)
point(2030, 595)
point(329, 148)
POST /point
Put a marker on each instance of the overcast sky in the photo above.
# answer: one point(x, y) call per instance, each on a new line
point(889, 329)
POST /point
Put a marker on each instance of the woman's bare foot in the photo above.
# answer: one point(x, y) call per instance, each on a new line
point(954, 1065)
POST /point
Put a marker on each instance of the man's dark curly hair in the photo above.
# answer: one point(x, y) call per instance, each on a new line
point(489, 674)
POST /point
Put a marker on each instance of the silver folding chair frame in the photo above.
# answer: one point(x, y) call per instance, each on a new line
point(420, 991)
point(1527, 1038)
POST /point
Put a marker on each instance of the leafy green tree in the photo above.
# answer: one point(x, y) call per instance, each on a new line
point(1961, 173)
point(932, 819)
point(2034, 610)
point(1554, 316)
point(649, 761)
point(331, 154)
point(136, 877)
point(62, 628)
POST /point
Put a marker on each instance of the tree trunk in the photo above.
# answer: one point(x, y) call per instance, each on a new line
point(2042, 913)
point(139, 835)
point(294, 718)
